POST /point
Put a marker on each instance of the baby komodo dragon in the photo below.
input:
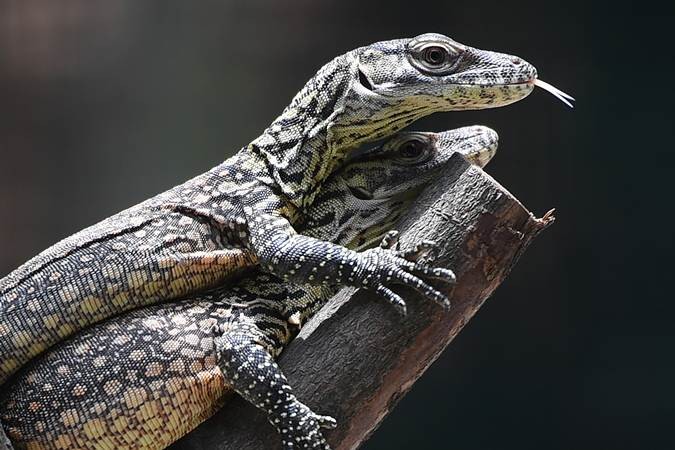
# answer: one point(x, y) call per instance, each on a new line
point(149, 376)
point(244, 212)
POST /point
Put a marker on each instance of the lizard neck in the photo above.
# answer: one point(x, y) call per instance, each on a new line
point(297, 149)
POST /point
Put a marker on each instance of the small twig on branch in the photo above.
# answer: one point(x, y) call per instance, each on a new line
point(357, 357)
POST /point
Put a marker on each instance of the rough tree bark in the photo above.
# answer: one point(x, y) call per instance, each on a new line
point(357, 357)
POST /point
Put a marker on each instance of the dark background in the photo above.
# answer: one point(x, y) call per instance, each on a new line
point(105, 103)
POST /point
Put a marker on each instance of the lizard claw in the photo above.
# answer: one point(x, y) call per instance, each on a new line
point(440, 273)
point(326, 422)
point(426, 248)
point(393, 298)
point(378, 266)
point(390, 240)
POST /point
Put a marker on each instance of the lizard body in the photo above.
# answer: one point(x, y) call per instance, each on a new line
point(243, 212)
point(147, 377)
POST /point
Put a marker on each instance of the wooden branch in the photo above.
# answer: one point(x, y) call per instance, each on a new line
point(357, 357)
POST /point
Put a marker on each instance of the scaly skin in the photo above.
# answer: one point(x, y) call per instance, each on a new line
point(146, 378)
point(244, 212)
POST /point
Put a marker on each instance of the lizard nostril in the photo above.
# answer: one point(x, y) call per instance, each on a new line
point(516, 61)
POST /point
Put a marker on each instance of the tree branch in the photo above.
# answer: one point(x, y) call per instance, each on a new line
point(357, 357)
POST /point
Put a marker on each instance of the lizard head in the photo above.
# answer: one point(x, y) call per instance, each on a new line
point(394, 83)
point(440, 74)
point(411, 160)
point(365, 198)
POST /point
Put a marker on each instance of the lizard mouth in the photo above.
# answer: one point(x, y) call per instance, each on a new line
point(360, 193)
point(557, 93)
point(408, 193)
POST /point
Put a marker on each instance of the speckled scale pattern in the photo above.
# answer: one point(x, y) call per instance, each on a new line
point(163, 249)
point(138, 381)
point(250, 203)
point(251, 369)
point(145, 378)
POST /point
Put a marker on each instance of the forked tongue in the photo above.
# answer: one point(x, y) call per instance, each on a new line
point(565, 98)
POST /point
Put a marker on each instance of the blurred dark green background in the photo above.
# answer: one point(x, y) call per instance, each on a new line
point(104, 103)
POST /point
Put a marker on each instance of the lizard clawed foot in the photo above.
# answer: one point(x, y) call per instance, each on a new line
point(382, 265)
point(300, 428)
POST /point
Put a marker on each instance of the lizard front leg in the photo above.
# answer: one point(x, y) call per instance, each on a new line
point(302, 259)
point(252, 372)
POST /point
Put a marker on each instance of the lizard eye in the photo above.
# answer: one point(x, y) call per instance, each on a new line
point(413, 150)
point(434, 54)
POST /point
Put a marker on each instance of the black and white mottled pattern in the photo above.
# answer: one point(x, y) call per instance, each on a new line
point(145, 378)
point(244, 212)
point(251, 371)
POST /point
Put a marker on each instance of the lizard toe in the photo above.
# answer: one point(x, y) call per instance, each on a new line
point(445, 275)
point(325, 421)
point(408, 279)
point(390, 240)
point(425, 249)
point(393, 298)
